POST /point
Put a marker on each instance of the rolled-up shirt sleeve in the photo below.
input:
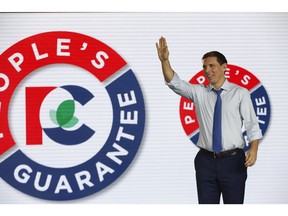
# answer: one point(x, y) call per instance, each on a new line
point(250, 119)
point(181, 87)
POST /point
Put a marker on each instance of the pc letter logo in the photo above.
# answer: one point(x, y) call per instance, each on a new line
point(72, 115)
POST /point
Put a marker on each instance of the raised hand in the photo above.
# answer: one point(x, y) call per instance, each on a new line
point(162, 49)
point(163, 54)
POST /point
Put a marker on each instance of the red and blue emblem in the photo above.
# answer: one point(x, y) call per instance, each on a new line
point(86, 103)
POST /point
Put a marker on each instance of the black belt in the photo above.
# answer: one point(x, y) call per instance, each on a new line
point(222, 154)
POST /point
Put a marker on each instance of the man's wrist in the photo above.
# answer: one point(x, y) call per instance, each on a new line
point(254, 145)
point(164, 60)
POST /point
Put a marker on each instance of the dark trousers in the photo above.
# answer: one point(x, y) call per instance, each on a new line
point(216, 176)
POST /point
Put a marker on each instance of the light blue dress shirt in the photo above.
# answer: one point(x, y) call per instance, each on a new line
point(237, 110)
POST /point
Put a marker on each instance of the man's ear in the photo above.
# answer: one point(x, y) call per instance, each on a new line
point(224, 67)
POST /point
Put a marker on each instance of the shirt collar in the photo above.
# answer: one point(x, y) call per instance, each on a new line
point(226, 86)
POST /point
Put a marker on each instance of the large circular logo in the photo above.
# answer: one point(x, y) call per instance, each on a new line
point(241, 77)
point(72, 115)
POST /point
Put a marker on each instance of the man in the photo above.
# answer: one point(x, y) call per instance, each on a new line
point(221, 108)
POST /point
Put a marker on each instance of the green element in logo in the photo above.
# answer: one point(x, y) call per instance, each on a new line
point(64, 116)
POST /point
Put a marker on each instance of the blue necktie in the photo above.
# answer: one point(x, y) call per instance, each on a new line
point(217, 124)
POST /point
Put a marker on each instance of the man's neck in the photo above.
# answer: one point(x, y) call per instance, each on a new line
point(218, 85)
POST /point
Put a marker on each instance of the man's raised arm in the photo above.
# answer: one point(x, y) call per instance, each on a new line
point(163, 54)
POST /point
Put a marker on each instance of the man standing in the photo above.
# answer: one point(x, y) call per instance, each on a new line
point(221, 108)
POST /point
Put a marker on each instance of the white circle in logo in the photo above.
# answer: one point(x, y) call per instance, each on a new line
point(96, 114)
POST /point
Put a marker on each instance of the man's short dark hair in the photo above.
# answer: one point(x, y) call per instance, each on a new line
point(221, 59)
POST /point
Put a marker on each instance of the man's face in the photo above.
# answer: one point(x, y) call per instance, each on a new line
point(214, 72)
